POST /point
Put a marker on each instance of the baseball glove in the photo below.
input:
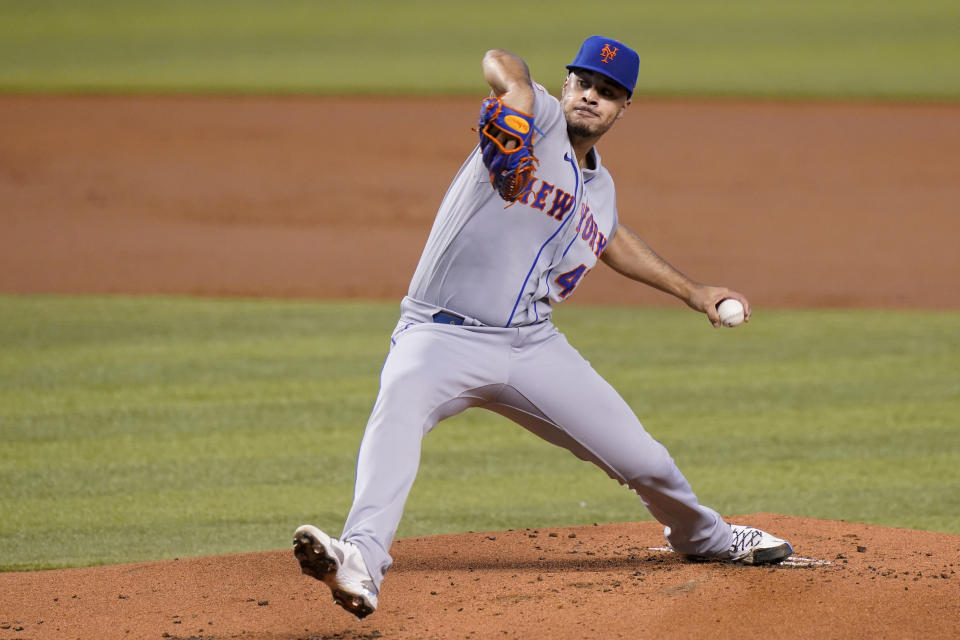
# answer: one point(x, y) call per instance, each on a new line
point(506, 140)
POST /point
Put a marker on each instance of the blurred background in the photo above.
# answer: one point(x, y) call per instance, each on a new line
point(892, 49)
point(209, 211)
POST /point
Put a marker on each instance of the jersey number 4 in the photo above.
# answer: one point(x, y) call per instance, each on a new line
point(568, 281)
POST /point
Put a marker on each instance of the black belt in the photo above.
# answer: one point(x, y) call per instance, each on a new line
point(442, 317)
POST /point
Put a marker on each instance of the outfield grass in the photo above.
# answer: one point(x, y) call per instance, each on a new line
point(892, 49)
point(148, 428)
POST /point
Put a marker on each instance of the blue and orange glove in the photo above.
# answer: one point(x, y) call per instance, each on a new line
point(506, 140)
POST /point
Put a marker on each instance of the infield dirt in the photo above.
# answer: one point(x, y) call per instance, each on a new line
point(608, 581)
point(797, 205)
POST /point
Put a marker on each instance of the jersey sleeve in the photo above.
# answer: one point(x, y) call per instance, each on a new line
point(547, 113)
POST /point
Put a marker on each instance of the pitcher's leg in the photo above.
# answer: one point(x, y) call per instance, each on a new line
point(387, 465)
point(570, 404)
point(427, 377)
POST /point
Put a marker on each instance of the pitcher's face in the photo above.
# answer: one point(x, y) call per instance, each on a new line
point(591, 103)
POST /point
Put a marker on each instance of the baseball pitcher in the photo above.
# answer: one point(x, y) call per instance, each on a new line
point(526, 218)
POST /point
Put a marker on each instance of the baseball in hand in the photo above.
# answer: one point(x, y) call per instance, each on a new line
point(731, 312)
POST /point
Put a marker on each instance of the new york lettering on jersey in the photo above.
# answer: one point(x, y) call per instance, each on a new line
point(587, 238)
point(504, 264)
point(591, 202)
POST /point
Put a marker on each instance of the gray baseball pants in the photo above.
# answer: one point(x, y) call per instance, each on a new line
point(435, 371)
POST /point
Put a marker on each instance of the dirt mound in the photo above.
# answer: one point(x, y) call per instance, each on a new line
point(845, 580)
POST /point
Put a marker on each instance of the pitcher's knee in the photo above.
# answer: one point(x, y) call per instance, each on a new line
point(656, 473)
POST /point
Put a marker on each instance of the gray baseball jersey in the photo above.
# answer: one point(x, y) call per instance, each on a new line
point(475, 331)
point(505, 265)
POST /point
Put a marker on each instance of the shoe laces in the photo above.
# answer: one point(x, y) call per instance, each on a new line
point(744, 538)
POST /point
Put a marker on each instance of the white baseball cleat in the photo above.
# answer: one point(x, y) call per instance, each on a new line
point(751, 546)
point(340, 566)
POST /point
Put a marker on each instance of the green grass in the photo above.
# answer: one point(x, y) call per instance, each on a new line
point(888, 49)
point(143, 428)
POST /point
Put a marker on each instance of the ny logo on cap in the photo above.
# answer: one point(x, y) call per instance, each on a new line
point(607, 53)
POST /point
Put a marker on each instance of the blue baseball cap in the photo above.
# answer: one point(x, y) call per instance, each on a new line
point(613, 59)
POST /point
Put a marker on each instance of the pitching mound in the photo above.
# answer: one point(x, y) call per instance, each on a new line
point(844, 581)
